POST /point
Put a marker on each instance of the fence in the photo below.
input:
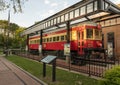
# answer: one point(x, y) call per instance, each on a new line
point(90, 66)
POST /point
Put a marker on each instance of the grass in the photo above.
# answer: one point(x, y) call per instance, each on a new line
point(62, 77)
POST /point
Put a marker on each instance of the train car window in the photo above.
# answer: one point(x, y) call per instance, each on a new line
point(45, 40)
point(37, 41)
point(54, 39)
point(57, 38)
point(34, 42)
point(65, 37)
point(96, 32)
point(42, 40)
point(50, 39)
point(89, 33)
point(62, 38)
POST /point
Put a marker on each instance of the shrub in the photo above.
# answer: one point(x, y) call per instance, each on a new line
point(111, 77)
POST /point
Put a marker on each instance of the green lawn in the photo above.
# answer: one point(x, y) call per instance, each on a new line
point(62, 77)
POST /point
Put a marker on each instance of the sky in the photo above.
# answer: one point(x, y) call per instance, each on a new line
point(37, 10)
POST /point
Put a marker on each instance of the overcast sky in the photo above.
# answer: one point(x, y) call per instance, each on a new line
point(37, 10)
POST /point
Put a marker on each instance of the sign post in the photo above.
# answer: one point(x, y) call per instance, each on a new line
point(67, 53)
point(47, 60)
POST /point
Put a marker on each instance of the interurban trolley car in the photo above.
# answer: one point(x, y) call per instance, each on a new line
point(82, 36)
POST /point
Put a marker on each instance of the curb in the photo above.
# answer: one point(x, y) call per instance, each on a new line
point(32, 76)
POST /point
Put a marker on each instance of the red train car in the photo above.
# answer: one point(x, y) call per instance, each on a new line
point(83, 36)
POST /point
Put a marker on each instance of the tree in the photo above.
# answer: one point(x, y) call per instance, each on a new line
point(11, 35)
point(15, 4)
point(12, 29)
point(1, 40)
point(4, 27)
point(19, 42)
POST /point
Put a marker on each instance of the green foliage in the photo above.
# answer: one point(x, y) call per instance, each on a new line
point(11, 35)
point(111, 77)
point(1, 39)
point(62, 77)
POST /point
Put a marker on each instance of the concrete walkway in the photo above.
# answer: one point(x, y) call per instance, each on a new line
point(10, 74)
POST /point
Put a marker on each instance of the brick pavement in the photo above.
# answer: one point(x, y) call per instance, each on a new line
point(10, 74)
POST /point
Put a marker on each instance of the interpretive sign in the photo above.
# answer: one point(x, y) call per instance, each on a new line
point(48, 59)
point(67, 49)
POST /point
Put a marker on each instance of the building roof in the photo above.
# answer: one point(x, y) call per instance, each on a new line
point(79, 12)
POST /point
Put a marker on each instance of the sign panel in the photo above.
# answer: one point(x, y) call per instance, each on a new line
point(67, 49)
point(48, 59)
point(26, 48)
point(110, 49)
point(40, 48)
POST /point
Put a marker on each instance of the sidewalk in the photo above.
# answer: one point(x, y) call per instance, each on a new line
point(10, 74)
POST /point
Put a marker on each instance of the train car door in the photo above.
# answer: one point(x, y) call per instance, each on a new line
point(80, 34)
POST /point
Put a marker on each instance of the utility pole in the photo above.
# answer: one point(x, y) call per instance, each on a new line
point(7, 36)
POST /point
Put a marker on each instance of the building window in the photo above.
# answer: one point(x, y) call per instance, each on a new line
point(82, 11)
point(118, 20)
point(44, 25)
point(77, 12)
point(51, 22)
point(55, 21)
point(66, 17)
point(95, 6)
point(106, 5)
point(71, 15)
point(62, 18)
point(102, 23)
point(58, 20)
point(113, 21)
point(90, 8)
point(48, 23)
point(107, 23)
